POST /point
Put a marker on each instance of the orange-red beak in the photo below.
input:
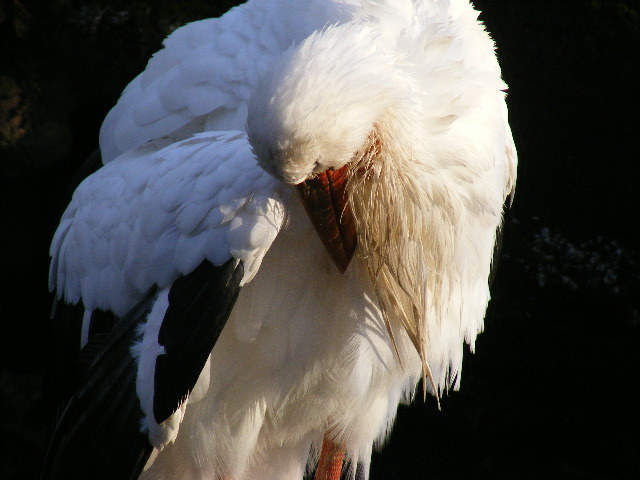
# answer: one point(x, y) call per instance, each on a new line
point(325, 199)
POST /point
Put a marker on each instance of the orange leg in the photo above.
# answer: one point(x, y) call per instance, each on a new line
point(331, 461)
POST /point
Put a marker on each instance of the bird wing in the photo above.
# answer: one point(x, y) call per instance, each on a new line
point(164, 239)
point(154, 214)
point(98, 432)
point(202, 79)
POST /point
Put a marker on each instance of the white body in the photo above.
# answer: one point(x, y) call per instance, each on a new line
point(306, 349)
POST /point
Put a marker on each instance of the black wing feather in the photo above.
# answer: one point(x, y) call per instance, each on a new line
point(199, 305)
point(98, 434)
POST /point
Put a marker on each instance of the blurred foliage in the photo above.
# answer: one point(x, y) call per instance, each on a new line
point(13, 115)
point(14, 17)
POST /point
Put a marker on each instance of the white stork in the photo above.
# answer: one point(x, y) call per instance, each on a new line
point(255, 154)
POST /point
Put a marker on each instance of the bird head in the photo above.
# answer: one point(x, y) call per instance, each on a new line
point(341, 117)
point(337, 116)
point(317, 106)
point(316, 115)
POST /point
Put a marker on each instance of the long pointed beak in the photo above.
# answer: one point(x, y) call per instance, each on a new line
point(325, 199)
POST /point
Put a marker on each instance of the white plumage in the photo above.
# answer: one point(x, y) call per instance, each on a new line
point(154, 214)
point(409, 95)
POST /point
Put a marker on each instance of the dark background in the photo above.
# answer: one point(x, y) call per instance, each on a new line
point(549, 393)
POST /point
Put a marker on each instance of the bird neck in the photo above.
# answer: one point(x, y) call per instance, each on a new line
point(393, 240)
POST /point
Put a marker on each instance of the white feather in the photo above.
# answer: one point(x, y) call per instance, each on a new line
point(146, 351)
point(207, 69)
point(152, 215)
point(306, 350)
